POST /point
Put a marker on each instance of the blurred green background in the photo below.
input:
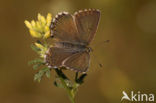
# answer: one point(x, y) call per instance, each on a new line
point(129, 60)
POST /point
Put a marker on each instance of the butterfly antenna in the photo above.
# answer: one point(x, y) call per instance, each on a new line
point(97, 45)
point(103, 42)
point(98, 62)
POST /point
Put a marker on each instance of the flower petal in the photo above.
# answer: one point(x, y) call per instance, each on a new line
point(28, 24)
point(35, 34)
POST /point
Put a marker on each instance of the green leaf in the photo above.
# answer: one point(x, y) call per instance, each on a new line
point(46, 70)
point(35, 61)
point(35, 48)
point(68, 83)
point(35, 67)
point(58, 84)
point(38, 76)
point(48, 73)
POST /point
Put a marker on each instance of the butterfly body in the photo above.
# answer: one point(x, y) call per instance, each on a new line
point(74, 34)
point(73, 46)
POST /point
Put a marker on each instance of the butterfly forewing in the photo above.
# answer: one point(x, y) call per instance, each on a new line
point(87, 23)
point(64, 29)
point(78, 62)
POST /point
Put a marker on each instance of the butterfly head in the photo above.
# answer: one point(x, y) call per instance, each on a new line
point(89, 49)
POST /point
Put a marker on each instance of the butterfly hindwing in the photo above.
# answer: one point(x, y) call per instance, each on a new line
point(78, 62)
point(55, 56)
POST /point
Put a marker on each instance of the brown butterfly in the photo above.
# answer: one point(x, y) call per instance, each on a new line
point(74, 34)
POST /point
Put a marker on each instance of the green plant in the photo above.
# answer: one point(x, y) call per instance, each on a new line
point(40, 30)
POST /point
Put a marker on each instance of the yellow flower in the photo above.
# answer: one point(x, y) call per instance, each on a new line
point(46, 28)
point(49, 18)
point(38, 25)
point(33, 23)
point(35, 34)
point(39, 46)
point(43, 20)
point(28, 24)
point(47, 35)
point(39, 16)
point(40, 28)
point(42, 48)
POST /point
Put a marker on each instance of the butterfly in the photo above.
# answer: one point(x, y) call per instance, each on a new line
point(74, 34)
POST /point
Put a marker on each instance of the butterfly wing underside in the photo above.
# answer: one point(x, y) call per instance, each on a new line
point(87, 23)
point(78, 62)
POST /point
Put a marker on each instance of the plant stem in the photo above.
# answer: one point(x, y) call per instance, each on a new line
point(68, 88)
point(69, 91)
point(66, 83)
